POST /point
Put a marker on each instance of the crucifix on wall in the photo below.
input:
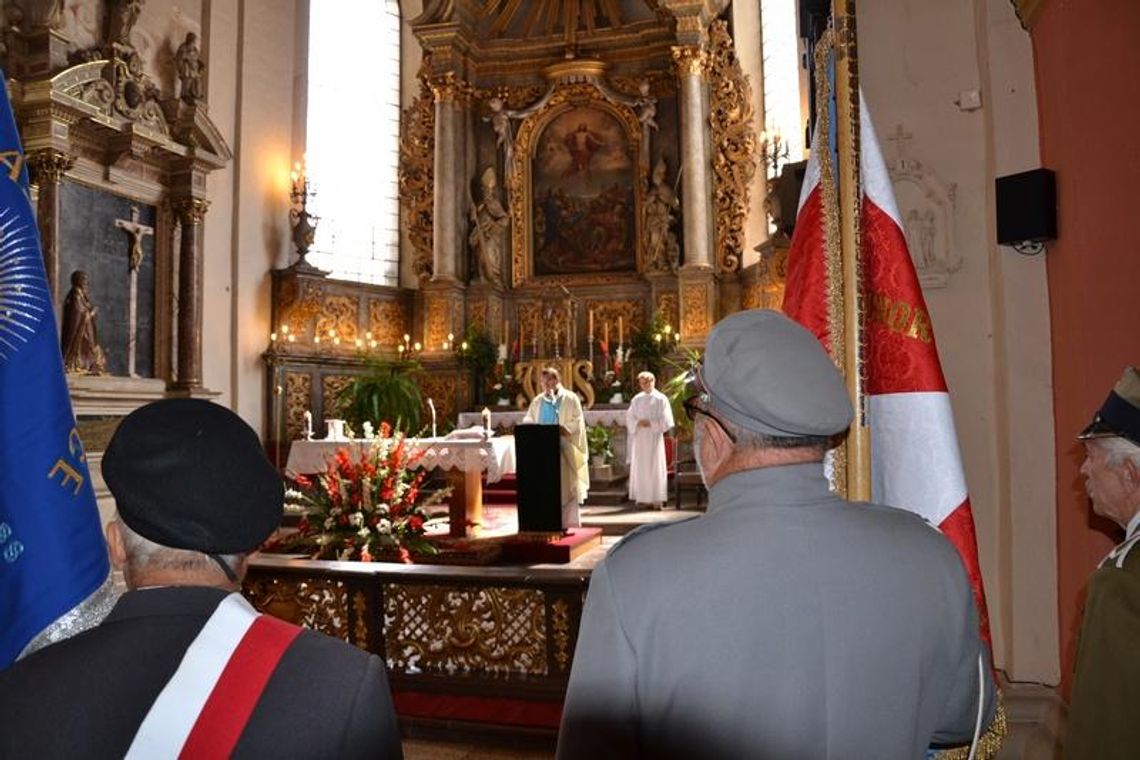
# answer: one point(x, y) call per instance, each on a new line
point(136, 231)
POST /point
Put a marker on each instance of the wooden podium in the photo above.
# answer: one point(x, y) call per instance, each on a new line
point(538, 470)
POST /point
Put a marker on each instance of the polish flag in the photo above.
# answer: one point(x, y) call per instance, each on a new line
point(915, 460)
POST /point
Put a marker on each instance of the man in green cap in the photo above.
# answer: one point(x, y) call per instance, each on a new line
point(786, 622)
point(1103, 716)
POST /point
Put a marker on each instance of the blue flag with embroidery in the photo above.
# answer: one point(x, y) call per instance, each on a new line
point(52, 554)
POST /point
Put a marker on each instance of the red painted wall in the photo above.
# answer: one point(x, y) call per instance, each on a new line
point(1088, 89)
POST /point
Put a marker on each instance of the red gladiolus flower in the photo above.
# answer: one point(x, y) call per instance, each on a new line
point(405, 556)
point(416, 523)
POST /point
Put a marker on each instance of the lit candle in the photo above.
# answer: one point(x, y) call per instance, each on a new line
point(487, 420)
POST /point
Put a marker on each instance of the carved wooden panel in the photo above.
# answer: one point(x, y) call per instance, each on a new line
point(338, 319)
point(667, 307)
point(442, 389)
point(477, 313)
point(331, 387)
point(299, 304)
point(694, 309)
point(319, 604)
point(437, 629)
point(632, 313)
point(298, 400)
point(438, 322)
point(386, 322)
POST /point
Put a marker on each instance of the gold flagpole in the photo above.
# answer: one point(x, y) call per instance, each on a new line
point(849, 182)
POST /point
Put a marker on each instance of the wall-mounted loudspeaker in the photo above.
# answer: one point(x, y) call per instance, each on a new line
point(1027, 209)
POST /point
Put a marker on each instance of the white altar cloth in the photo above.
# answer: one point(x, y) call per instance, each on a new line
point(495, 456)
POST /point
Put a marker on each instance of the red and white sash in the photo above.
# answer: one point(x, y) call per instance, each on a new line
point(204, 707)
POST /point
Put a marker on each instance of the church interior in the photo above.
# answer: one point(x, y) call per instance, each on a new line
point(297, 209)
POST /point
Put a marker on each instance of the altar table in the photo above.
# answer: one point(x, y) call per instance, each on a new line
point(463, 460)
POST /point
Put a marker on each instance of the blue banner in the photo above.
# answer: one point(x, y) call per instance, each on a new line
point(52, 553)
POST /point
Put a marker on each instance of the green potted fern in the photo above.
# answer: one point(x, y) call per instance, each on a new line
point(388, 391)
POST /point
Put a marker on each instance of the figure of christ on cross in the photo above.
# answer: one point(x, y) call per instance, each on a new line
point(136, 231)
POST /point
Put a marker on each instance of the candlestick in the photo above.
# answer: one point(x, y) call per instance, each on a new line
point(486, 420)
point(431, 407)
point(308, 425)
point(590, 329)
point(619, 331)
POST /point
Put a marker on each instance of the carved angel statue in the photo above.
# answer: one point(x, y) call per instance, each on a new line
point(81, 351)
point(646, 106)
point(500, 121)
point(661, 204)
point(489, 222)
point(191, 69)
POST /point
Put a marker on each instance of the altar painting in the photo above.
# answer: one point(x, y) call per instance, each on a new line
point(583, 190)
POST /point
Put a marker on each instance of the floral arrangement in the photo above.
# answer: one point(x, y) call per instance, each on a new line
point(366, 507)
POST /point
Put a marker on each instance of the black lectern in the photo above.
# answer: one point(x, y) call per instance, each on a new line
point(538, 470)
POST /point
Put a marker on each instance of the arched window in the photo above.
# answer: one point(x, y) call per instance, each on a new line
point(352, 138)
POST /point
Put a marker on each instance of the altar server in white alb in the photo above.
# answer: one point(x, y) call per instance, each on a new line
point(558, 406)
point(647, 420)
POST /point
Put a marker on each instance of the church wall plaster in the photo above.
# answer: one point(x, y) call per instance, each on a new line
point(915, 62)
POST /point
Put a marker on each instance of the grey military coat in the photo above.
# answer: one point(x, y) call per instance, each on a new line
point(785, 623)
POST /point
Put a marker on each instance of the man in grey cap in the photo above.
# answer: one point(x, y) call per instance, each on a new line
point(1106, 693)
point(786, 622)
point(183, 666)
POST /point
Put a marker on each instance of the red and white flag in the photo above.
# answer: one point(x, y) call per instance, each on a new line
point(915, 462)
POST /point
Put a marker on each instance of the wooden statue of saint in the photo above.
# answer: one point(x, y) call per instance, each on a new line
point(81, 351)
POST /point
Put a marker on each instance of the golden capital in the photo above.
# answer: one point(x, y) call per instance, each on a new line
point(690, 60)
point(190, 210)
point(448, 88)
point(49, 165)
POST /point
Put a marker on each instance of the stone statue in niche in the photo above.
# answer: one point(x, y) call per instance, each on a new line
point(489, 222)
point(661, 204)
point(919, 231)
point(80, 344)
point(191, 70)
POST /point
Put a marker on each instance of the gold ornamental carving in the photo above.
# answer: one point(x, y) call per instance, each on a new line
point(49, 166)
point(443, 390)
point(477, 313)
point(690, 60)
point(331, 388)
point(630, 311)
point(298, 400)
point(667, 308)
point(386, 322)
point(560, 614)
point(417, 175)
point(734, 141)
point(563, 98)
point(448, 88)
point(575, 374)
point(694, 309)
point(299, 305)
point(337, 320)
point(313, 603)
point(752, 296)
point(438, 322)
point(190, 211)
point(489, 630)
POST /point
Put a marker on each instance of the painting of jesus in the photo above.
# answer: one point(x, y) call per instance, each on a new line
point(583, 195)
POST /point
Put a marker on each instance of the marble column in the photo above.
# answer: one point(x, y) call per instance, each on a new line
point(47, 169)
point(696, 157)
point(190, 213)
point(447, 207)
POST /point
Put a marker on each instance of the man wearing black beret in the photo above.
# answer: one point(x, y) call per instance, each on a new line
point(1106, 693)
point(183, 665)
point(786, 622)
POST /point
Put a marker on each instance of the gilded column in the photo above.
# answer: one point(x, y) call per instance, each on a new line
point(47, 169)
point(190, 213)
point(696, 192)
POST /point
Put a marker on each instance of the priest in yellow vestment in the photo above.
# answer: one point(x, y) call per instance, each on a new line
point(558, 406)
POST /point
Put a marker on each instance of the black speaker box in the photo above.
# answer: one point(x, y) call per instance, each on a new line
point(1026, 207)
